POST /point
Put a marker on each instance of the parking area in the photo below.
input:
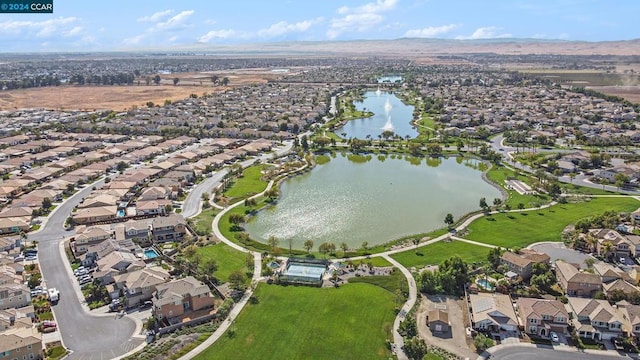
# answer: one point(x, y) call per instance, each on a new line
point(558, 251)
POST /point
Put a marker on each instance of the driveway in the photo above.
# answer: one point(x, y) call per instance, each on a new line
point(86, 335)
point(558, 251)
point(453, 341)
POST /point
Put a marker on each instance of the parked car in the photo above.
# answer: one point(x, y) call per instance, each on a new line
point(84, 279)
point(554, 337)
point(81, 273)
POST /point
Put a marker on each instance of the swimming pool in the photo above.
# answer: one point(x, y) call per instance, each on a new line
point(485, 284)
point(121, 213)
point(150, 253)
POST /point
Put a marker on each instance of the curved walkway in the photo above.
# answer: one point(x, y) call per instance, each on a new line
point(398, 340)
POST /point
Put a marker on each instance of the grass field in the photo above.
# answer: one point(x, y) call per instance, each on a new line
point(202, 222)
point(349, 322)
point(521, 229)
point(249, 184)
point(228, 259)
point(435, 253)
point(390, 283)
point(499, 174)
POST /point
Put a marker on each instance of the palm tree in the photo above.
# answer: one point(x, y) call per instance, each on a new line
point(607, 249)
point(273, 242)
point(308, 245)
point(344, 247)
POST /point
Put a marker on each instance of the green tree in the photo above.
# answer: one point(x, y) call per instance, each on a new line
point(236, 220)
point(415, 348)
point(482, 342)
point(448, 220)
point(238, 280)
point(324, 248)
point(176, 81)
point(46, 204)
point(483, 204)
point(494, 257)
point(273, 243)
point(308, 245)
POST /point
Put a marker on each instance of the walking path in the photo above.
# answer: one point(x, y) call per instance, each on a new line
point(398, 340)
point(473, 242)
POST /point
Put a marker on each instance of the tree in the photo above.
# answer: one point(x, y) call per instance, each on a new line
point(520, 206)
point(46, 204)
point(482, 342)
point(344, 247)
point(238, 280)
point(214, 79)
point(620, 180)
point(156, 79)
point(494, 257)
point(448, 220)
point(121, 166)
point(235, 220)
point(324, 248)
point(176, 81)
point(365, 246)
point(225, 81)
point(273, 243)
point(497, 202)
point(483, 204)
point(208, 267)
point(308, 245)
point(408, 328)
point(415, 348)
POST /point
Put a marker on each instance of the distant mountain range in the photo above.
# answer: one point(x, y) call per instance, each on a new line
point(421, 47)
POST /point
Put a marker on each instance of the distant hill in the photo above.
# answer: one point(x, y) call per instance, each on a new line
point(408, 47)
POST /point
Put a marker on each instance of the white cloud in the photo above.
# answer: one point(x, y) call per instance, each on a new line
point(41, 29)
point(283, 27)
point(135, 40)
point(155, 17)
point(487, 32)
point(75, 31)
point(175, 21)
point(431, 31)
point(218, 34)
point(360, 18)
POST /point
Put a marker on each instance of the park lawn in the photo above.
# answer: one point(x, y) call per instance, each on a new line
point(297, 322)
point(202, 222)
point(227, 258)
point(583, 190)
point(521, 229)
point(499, 174)
point(249, 184)
point(437, 252)
point(391, 283)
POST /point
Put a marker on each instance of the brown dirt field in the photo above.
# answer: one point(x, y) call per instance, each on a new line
point(631, 93)
point(96, 97)
point(124, 97)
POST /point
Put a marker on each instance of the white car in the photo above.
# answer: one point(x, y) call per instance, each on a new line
point(554, 337)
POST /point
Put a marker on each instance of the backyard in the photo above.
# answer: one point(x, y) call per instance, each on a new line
point(310, 323)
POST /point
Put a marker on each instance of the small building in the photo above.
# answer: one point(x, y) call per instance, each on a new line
point(438, 321)
point(303, 271)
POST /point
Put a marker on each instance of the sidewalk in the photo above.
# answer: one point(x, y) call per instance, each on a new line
point(604, 353)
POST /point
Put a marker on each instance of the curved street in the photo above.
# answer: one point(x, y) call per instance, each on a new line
point(533, 352)
point(87, 336)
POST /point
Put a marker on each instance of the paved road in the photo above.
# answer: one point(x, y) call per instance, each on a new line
point(530, 352)
point(87, 336)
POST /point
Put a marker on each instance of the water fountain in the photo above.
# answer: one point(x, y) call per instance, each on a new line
point(388, 126)
point(378, 92)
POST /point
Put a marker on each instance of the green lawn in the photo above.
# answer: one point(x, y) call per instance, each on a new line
point(390, 283)
point(228, 259)
point(521, 229)
point(499, 174)
point(437, 252)
point(583, 190)
point(202, 222)
point(349, 322)
point(249, 184)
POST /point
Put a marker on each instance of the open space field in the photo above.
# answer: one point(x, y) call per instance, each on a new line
point(249, 184)
point(349, 322)
point(227, 258)
point(202, 222)
point(499, 174)
point(436, 253)
point(584, 77)
point(521, 229)
point(630, 93)
point(115, 98)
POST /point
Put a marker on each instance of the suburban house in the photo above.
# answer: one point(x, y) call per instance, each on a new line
point(540, 317)
point(95, 214)
point(522, 263)
point(168, 228)
point(595, 319)
point(133, 230)
point(177, 297)
point(631, 314)
point(88, 236)
point(117, 262)
point(12, 294)
point(21, 343)
point(138, 286)
point(492, 312)
point(619, 244)
point(576, 282)
point(8, 243)
point(438, 321)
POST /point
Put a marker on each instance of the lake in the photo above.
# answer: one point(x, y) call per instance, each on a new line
point(356, 198)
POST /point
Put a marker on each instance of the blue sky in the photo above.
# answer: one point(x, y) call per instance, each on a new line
point(79, 25)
